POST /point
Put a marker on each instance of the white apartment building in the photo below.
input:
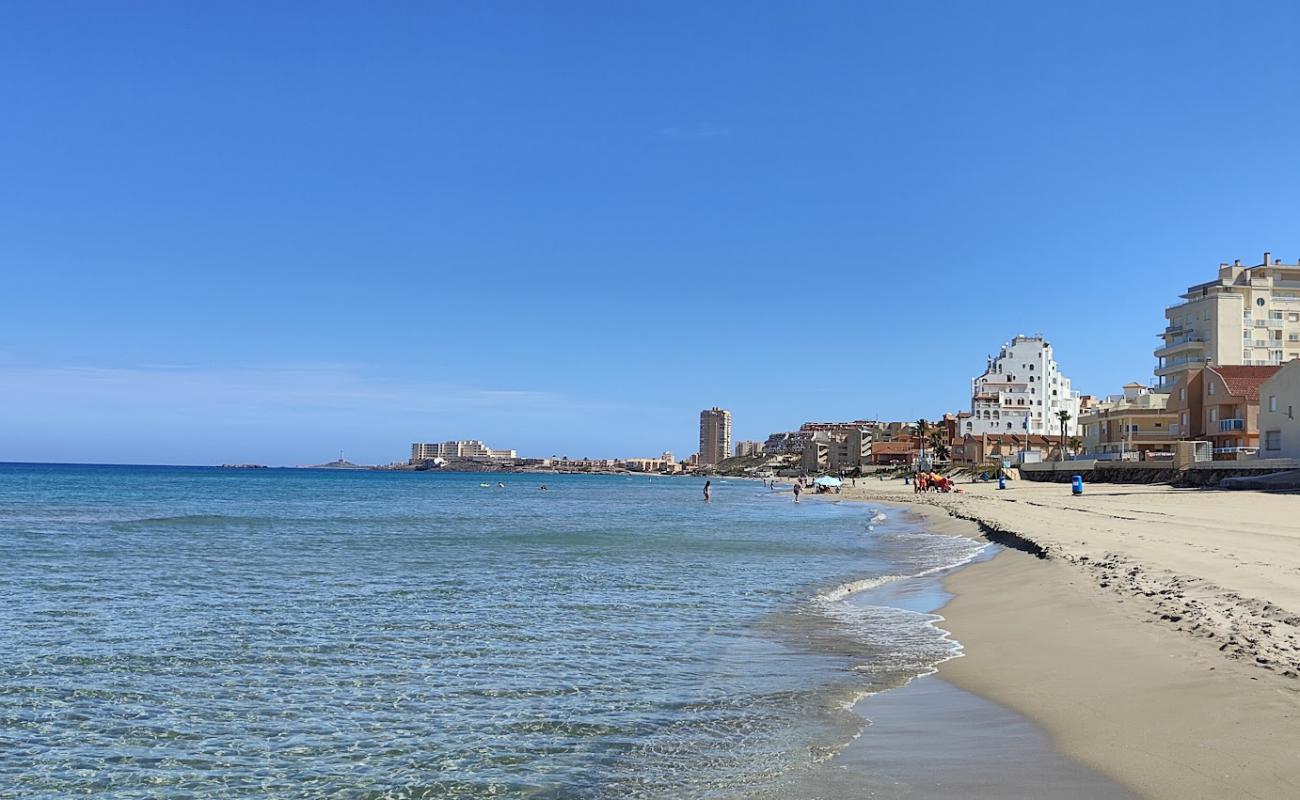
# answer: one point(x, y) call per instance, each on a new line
point(1022, 390)
point(1247, 316)
point(461, 449)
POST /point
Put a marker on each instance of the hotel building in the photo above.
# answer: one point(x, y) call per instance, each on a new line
point(715, 435)
point(749, 448)
point(464, 449)
point(1021, 391)
point(1248, 316)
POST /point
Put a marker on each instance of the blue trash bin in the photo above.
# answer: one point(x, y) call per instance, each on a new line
point(1002, 481)
point(1076, 485)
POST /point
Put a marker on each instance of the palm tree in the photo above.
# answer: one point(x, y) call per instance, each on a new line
point(936, 446)
point(1076, 444)
point(922, 428)
point(1064, 417)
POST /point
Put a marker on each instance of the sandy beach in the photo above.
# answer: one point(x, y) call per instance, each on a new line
point(1157, 639)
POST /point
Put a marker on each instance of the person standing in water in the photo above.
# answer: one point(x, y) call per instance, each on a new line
point(798, 489)
point(706, 490)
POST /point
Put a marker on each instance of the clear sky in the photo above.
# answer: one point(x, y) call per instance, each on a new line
point(271, 231)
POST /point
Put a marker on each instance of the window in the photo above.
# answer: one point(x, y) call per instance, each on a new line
point(1259, 301)
point(1210, 391)
point(1157, 424)
point(1182, 394)
point(1293, 317)
point(1272, 402)
point(1245, 334)
point(1272, 440)
point(1214, 415)
point(1183, 419)
point(1275, 315)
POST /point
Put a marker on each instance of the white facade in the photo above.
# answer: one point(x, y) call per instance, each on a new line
point(462, 449)
point(1279, 413)
point(1022, 390)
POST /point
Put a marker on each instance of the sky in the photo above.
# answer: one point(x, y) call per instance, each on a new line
point(270, 232)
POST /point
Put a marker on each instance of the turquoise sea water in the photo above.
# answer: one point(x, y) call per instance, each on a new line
point(193, 632)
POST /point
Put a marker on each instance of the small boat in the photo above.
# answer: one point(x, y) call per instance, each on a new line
point(485, 486)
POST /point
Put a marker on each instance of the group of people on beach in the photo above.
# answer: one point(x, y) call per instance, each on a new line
point(931, 482)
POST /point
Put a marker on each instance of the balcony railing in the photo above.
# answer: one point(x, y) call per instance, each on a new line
point(1235, 451)
point(1229, 425)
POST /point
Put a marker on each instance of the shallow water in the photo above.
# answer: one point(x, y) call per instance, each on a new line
point(190, 632)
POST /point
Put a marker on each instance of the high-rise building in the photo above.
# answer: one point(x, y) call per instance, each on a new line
point(1248, 316)
point(1022, 391)
point(749, 448)
point(715, 435)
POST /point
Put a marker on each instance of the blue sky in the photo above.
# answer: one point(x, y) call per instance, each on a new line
point(270, 231)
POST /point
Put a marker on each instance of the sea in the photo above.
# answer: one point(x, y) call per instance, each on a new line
point(192, 632)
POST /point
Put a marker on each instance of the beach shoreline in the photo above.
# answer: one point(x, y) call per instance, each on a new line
point(1150, 637)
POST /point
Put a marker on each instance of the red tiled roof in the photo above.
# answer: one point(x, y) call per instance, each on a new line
point(885, 448)
point(1244, 381)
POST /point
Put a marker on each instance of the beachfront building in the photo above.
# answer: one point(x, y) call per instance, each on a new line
point(463, 450)
point(1005, 448)
point(1129, 426)
point(748, 448)
point(1279, 413)
point(1021, 391)
point(715, 435)
point(837, 450)
point(1220, 404)
point(1247, 316)
point(894, 453)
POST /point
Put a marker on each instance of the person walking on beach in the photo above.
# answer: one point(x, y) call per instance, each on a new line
point(706, 490)
point(798, 489)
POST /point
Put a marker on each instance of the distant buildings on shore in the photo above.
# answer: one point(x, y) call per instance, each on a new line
point(1228, 376)
point(715, 436)
point(459, 450)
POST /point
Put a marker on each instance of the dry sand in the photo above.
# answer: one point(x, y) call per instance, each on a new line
point(1158, 641)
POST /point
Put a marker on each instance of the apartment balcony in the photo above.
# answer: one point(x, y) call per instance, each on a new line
point(1187, 345)
point(1230, 425)
point(1179, 364)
